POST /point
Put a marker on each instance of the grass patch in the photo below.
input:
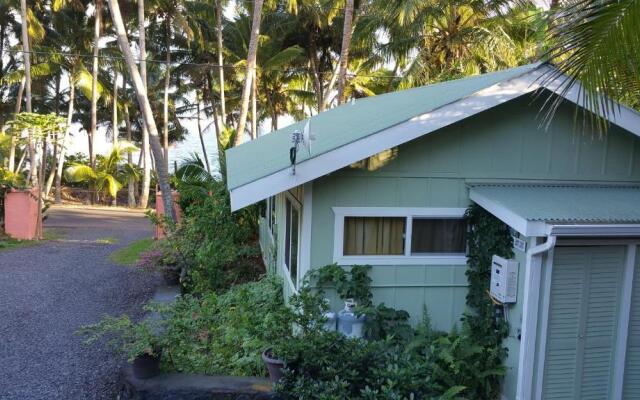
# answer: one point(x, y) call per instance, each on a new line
point(107, 240)
point(8, 243)
point(129, 255)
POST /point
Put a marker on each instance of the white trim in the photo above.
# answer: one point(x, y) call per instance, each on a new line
point(623, 323)
point(406, 212)
point(418, 126)
point(529, 327)
point(305, 245)
point(595, 230)
point(546, 302)
point(295, 204)
point(392, 136)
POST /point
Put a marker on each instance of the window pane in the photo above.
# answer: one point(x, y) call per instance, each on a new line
point(438, 235)
point(293, 267)
point(374, 236)
point(287, 233)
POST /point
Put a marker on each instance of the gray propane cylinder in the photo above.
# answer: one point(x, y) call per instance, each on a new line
point(349, 324)
point(330, 324)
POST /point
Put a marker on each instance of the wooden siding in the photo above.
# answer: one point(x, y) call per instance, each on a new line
point(632, 368)
point(503, 144)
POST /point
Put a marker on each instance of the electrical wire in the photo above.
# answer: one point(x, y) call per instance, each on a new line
point(205, 65)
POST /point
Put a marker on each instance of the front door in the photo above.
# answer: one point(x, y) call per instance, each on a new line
point(584, 312)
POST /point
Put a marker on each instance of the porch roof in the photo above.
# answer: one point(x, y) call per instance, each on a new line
point(537, 209)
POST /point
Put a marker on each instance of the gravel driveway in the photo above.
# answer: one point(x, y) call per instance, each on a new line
point(47, 291)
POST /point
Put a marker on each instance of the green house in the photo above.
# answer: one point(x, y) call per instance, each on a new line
point(387, 180)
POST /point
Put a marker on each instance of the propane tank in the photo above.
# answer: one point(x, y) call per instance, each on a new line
point(331, 320)
point(349, 324)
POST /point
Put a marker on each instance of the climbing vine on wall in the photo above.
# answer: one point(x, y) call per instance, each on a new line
point(487, 236)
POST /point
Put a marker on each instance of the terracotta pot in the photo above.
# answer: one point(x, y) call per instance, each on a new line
point(21, 213)
point(146, 366)
point(160, 233)
point(274, 366)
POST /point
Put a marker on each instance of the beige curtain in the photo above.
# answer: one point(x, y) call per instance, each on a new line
point(374, 236)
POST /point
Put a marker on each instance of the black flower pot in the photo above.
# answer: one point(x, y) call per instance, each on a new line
point(146, 366)
point(274, 366)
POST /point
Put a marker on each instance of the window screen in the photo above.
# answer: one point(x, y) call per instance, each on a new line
point(291, 240)
point(374, 236)
point(438, 235)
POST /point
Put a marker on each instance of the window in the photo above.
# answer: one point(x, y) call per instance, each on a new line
point(373, 236)
point(438, 235)
point(390, 235)
point(292, 220)
point(271, 214)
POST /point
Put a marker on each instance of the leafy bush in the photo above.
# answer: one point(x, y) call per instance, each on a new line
point(125, 336)
point(214, 247)
point(225, 333)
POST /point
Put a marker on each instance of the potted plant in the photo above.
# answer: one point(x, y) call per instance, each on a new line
point(138, 341)
point(274, 365)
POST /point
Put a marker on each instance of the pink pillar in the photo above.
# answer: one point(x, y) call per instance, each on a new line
point(21, 213)
point(160, 211)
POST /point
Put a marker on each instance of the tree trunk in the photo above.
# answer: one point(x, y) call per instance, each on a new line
point(254, 106)
point(146, 161)
point(317, 82)
point(26, 53)
point(223, 106)
point(114, 120)
point(204, 149)
point(94, 83)
point(251, 66)
point(131, 184)
point(347, 31)
point(14, 139)
point(56, 144)
point(63, 147)
point(145, 106)
point(167, 81)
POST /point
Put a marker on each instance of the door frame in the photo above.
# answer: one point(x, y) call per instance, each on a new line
point(625, 309)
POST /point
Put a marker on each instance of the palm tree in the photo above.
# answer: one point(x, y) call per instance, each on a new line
point(251, 67)
point(146, 152)
point(26, 54)
point(145, 107)
point(344, 53)
point(597, 43)
point(94, 76)
point(108, 175)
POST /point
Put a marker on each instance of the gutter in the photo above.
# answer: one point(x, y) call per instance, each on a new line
point(543, 247)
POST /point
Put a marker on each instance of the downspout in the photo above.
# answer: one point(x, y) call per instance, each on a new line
point(529, 328)
point(543, 247)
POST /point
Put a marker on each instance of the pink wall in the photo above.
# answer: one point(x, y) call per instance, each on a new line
point(21, 213)
point(160, 211)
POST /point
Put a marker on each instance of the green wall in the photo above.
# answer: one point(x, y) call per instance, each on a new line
point(505, 143)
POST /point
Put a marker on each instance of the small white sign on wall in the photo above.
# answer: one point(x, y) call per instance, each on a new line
point(519, 244)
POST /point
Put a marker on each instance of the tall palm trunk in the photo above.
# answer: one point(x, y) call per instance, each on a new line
point(204, 149)
point(254, 106)
point(167, 81)
point(114, 116)
point(251, 66)
point(145, 107)
point(347, 31)
point(146, 161)
point(63, 147)
point(94, 83)
point(26, 53)
point(223, 106)
point(131, 184)
point(56, 143)
point(14, 139)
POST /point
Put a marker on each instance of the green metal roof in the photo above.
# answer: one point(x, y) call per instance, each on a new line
point(566, 204)
point(351, 122)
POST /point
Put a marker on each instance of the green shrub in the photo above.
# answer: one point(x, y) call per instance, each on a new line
point(217, 248)
point(225, 333)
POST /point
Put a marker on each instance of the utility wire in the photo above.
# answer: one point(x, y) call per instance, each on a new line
point(205, 65)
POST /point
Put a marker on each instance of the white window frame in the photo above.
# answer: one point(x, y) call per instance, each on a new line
point(295, 204)
point(407, 212)
point(271, 208)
